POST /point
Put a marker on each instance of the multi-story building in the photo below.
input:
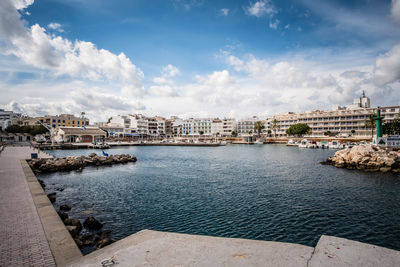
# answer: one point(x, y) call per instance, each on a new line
point(344, 121)
point(244, 127)
point(63, 120)
point(197, 127)
point(6, 118)
point(217, 127)
point(228, 126)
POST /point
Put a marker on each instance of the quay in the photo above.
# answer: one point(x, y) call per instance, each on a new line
point(32, 234)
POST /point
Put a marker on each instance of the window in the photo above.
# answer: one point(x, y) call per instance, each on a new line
point(54, 120)
point(63, 121)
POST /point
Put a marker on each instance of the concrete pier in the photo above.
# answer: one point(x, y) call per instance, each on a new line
point(152, 248)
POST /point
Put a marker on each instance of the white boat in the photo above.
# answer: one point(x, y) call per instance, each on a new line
point(334, 144)
point(292, 143)
point(258, 142)
point(303, 143)
point(223, 143)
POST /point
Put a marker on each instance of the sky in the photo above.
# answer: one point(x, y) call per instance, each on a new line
point(196, 58)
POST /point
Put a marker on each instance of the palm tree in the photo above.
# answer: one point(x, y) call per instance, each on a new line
point(275, 126)
point(259, 126)
point(370, 123)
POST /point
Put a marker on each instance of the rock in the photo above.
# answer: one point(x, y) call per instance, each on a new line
point(104, 242)
point(92, 155)
point(60, 189)
point(366, 157)
point(73, 222)
point(41, 183)
point(52, 197)
point(385, 169)
point(62, 215)
point(65, 207)
point(78, 242)
point(104, 234)
point(92, 223)
point(73, 230)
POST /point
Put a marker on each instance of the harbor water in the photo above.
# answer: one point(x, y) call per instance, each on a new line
point(263, 192)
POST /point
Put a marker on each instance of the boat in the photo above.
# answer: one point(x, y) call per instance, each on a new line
point(258, 142)
point(323, 144)
point(334, 144)
point(223, 143)
point(303, 143)
point(292, 143)
point(312, 144)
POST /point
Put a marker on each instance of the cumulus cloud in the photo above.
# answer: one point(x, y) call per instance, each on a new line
point(274, 24)
point(224, 11)
point(395, 11)
point(55, 26)
point(164, 85)
point(387, 67)
point(261, 8)
point(79, 59)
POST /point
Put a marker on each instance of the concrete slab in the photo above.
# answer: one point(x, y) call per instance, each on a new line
point(152, 248)
point(335, 251)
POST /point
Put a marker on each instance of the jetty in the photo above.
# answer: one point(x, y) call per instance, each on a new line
point(32, 234)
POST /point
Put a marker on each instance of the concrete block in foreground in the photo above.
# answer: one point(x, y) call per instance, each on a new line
point(152, 248)
point(335, 251)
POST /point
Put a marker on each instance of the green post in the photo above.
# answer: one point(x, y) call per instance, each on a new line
point(378, 123)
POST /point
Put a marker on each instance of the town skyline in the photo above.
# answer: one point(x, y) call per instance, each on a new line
point(195, 58)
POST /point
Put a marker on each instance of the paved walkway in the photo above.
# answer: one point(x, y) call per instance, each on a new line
point(22, 238)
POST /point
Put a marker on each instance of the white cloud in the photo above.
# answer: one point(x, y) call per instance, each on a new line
point(395, 11)
point(79, 59)
point(55, 26)
point(170, 71)
point(274, 24)
point(224, 11)
point(387, 67)
point(261, 8)
point(287, 26)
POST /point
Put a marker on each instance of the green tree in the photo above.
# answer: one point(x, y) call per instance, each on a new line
point(269, 132)
point(370, 123)
point(233, 133)
point(13, 129)
point(258, 127)
point(201, 132)
point(392, 128)
point(298, 129)
point(250, 132)
point(109, 119)
point(275, 126)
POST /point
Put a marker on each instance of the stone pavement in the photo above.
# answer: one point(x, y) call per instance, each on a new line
point(22, 238)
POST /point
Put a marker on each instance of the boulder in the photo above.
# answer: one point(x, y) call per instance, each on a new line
point(73, 222)
point(65, 207)
point(41, 183)
point(73, 230)
point(92, 223)
point(52, 197)
point(62, 215)
point(92, 155)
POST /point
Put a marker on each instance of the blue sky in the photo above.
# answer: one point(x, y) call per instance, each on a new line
point(196, 57)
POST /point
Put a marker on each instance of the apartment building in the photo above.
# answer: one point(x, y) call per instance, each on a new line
point(197, 127)
point(246, 125)
point(7, 117)
point(63, 120)
point(228, 126)
point(345, 121)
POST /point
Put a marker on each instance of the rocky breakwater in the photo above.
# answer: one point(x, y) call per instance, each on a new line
point(368, 158)
point(77, 163)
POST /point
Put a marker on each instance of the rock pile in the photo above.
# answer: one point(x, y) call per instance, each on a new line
point(77, 163)
point(97, 239)
point(368, 158)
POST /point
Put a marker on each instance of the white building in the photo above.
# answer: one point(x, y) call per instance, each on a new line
point(228, 126)
point(345, 121)
point(6, 118)
point(217, 127)
point(244, 127)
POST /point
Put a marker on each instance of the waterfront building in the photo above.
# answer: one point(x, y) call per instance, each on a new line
point(79, 135)
point(246, 125)
point(228, 126)
point(217, 127)
point(7, 117)
point(197, 127)
point(132, 124)
point(63, 120)
point(343, 121)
